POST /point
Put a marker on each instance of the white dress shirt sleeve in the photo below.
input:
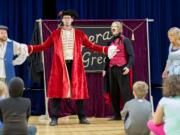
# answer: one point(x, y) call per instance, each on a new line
point(21, 51)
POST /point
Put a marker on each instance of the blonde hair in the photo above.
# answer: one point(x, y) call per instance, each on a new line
point(3, 89)
point(140, 89)
point(119, 25)
point(176, 32)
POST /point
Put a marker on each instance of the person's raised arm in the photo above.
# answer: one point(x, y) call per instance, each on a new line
point(41, 47)
point(110, 51)
point(93, 46)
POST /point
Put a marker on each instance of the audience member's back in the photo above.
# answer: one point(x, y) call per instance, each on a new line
point(3, 94)
point(15, 110)
point(167, 111)
point(171, 105)
point(137, 112)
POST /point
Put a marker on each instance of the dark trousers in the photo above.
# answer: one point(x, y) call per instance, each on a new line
point(55, 105)
point(55, 102)
point(119, 87)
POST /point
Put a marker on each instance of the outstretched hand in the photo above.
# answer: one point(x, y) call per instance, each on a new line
point(112, 50)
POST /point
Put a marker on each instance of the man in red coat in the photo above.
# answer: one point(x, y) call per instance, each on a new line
point(67, 77)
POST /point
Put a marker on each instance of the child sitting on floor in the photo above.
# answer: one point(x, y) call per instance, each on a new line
point(166, 120)
point(137, 111)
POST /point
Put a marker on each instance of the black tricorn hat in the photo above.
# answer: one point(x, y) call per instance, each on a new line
point(3, 27)
point(71, 13)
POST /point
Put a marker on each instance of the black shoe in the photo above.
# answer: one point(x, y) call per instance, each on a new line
point(53, 122)
point(84, 121)
point(115, 118)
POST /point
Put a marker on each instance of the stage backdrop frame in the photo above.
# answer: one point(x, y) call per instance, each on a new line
point(132, 30)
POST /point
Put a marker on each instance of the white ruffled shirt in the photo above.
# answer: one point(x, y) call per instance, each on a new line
point(20, 50)
point(68, 44)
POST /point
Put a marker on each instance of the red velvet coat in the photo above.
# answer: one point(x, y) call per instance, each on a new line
point(59, 85)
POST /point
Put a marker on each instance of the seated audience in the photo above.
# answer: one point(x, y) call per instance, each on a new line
point(137, 111)
point(15, 111)
point(166, 120)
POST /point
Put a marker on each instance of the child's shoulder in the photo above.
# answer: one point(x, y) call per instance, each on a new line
point(138, 100)
point(169, 99)
point(25, 99)
point(145, 100)
point(164, 99)
point(4, 102)
point(134, 101)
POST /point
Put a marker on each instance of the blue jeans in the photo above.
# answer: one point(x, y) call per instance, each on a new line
point(31, 130)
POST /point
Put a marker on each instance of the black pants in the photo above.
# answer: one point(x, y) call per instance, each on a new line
point(119, 86)
point(55, 102)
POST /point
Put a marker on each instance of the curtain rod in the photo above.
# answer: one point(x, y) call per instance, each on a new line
point(147, 19)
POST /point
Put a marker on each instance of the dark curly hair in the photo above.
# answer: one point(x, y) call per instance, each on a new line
point(171, 86)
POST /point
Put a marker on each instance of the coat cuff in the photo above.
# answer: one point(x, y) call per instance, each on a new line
point(30, 49)
point(105, 50)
